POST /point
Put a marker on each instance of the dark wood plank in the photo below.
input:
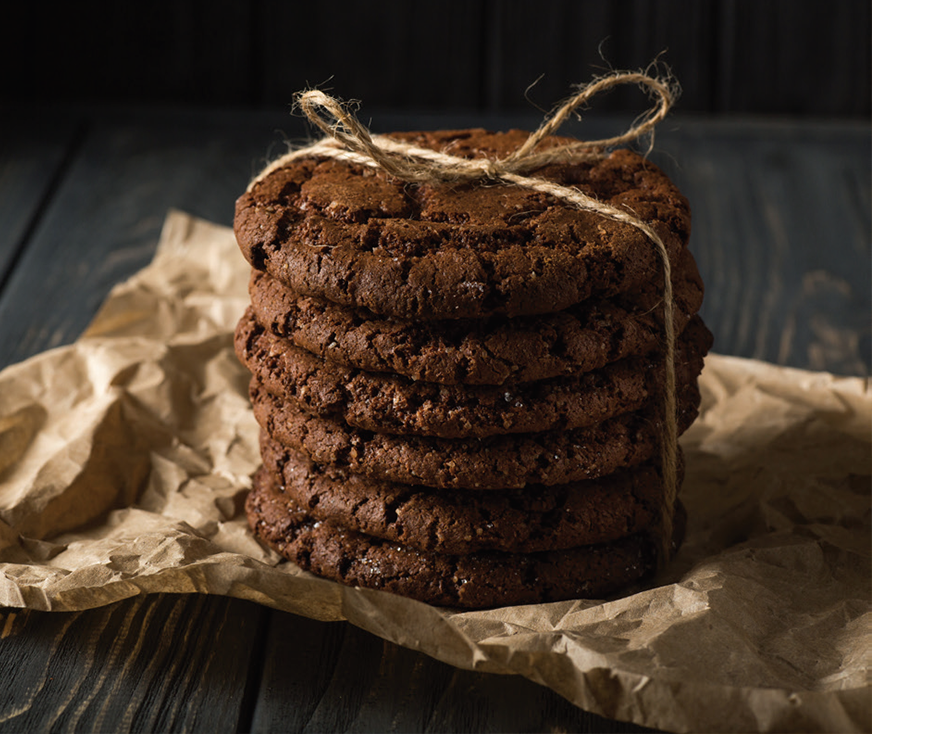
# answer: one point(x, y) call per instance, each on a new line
point(103, 223)
point(795, 58)
point(173, 51)
point(154, 663)
point(782, 235)
point(32, 159)
point(562, 44)
point(330, 677)
point(784, 56)
point(519, 54)
point(410, 54)
point(683, 34)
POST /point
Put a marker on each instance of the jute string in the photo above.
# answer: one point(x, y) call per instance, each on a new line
point(348, 140)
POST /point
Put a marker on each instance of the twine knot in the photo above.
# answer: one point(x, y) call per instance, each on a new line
point(419, 165)
point(492, 168)
point(349, 140)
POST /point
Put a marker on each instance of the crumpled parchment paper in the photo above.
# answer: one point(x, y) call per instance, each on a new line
point(125, 458)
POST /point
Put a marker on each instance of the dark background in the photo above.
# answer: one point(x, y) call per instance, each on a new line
point(786, 59)
point(806, 58)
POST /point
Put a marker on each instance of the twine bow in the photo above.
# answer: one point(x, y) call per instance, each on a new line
point(348, 140)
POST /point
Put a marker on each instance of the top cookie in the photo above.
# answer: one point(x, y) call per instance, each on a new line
point(357, 237)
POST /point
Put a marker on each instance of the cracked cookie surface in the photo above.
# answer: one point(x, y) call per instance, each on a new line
point(493, 351)
point(536, 518)
point(356, 237)
point(496, 462)
point(393, 404)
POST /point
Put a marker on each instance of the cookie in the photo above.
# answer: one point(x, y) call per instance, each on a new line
point(494, 351)
point(536, 518)
point(477, 580)
point(497, 462)
point(392, 404)
point(359, 238)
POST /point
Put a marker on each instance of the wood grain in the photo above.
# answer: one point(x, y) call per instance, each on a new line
point(402, 55)
point(795, 57)
point(154, 663)
point(554, 45)
point(798, 58)
point(28, 174)
point(174, 51)
point(782, 235)
point(329, 677)
point(102, 222)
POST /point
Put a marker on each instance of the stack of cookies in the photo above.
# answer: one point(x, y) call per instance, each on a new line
point(460, 387)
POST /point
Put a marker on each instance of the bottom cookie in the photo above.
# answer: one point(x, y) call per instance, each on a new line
point(471, 581)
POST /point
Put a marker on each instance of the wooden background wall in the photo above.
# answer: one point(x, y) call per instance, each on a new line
point(790, 57)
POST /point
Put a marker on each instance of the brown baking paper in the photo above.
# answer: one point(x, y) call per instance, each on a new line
point(125, 459)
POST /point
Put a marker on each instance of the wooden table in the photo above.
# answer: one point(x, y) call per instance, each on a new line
point(782, 234)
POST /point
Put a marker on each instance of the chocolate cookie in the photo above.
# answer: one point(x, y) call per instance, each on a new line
point(492, 351)
point(393, 404)
point(356, 237)
point(477, 580)
point(497, 462)
point(536, 518)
